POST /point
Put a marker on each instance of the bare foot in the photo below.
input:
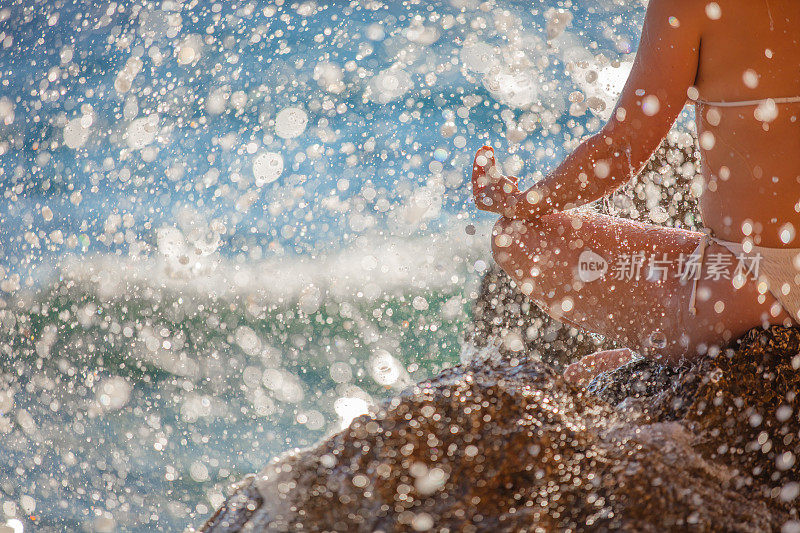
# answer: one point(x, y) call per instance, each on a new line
point(582, 372)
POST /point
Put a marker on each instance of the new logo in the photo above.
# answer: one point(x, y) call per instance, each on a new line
point(591, 266)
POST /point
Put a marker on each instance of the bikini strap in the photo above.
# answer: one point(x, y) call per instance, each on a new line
point(744, 103)
point(704, 239)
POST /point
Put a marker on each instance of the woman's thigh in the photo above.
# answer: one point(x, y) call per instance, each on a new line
point(627, 281)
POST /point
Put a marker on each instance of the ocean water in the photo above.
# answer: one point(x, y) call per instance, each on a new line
point(130, 399)
point(228, 228)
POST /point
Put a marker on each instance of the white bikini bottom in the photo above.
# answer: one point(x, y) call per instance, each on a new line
point(778, 268)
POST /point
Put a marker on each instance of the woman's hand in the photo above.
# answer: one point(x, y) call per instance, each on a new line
point(492, 191)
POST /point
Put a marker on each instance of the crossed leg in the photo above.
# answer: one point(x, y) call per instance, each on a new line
point(648, 314)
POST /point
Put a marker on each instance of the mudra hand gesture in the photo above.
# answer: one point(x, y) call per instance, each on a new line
point(492, 191)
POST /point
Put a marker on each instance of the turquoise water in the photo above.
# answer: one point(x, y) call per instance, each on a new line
point(227, 228)
point(140, 405)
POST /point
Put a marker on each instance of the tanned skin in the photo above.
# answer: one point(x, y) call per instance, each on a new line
point(728, 50)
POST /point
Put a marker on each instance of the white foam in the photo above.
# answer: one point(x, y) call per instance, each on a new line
point(6, 110)
point(290, 122)
point(329, 76)
point(113, 393)
point(190, 49)
point(600, 80)
point(76, 134)
point(478, 56)
point(396, 264)
point(142, 132)
point(267, 167)
point(389, 85)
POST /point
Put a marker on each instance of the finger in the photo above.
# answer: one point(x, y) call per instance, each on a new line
point(486, 204)
point(492, 171)
point(508, 186)
point(483, 199)
point(484, 160)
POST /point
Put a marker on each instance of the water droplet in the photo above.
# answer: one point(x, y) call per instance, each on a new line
point(658, 339)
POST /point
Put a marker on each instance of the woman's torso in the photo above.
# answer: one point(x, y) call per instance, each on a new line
point(751, 154)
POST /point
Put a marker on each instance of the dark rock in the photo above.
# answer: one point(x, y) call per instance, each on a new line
point(745, 408)
point(640, 378)
point(238, 510)
point(503, 313)
point(500, 446)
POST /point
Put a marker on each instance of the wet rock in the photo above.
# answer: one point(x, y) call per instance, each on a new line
point(238, 511)
point(746, 411)
point(505, 319)
point(637, 379)
point(508, 445)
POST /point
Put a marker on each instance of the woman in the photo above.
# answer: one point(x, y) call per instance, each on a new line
point(660, 291)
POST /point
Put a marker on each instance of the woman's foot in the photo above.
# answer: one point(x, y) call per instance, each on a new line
point(582, 372)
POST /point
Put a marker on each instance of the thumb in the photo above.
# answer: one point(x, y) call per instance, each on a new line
point(484, 161)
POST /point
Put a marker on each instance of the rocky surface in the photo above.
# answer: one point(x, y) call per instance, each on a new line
point(507, 445)
point(640, 379)
point(503, 317)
